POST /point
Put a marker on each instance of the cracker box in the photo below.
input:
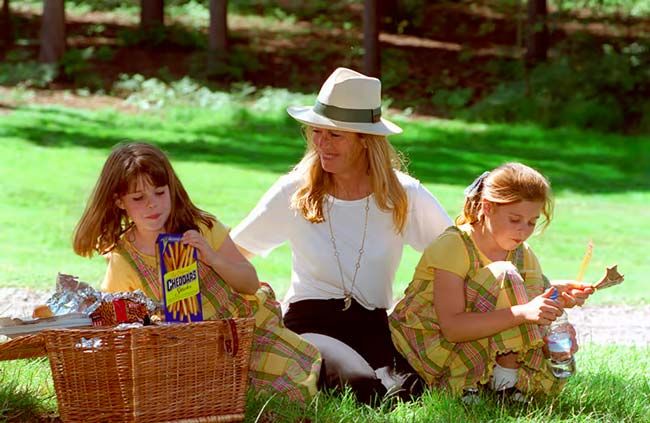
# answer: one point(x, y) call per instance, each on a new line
point(180, 279)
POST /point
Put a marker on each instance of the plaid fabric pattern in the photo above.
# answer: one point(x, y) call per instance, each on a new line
point(456, 366)
point(281, 360)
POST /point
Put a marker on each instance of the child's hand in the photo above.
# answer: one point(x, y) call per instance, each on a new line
point(541, 310)
point(572, 293)
point(198, 241)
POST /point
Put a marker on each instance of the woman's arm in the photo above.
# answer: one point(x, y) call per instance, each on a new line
point(460, 326)
point(227, 261)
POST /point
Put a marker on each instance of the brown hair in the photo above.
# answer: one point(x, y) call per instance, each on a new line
point(508, 183)
point(103, 223)
point(383, 160)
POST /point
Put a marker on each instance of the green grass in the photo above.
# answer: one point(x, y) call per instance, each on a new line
point(52, 156)
point(611, 386)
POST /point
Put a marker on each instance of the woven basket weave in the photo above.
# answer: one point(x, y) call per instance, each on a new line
point(28, 346)
point(196, 372)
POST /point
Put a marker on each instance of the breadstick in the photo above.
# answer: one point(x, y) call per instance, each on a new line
point(585, 262)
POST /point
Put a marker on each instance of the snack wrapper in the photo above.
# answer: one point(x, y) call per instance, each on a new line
point(179, 278)
point(119, 310)
point(104, 308)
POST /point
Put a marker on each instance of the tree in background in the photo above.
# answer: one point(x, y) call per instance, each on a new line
point(537, 42)
point(6, 34)
point(372, 52)
point(52, 31)
point(152, 13)
point(217, 34)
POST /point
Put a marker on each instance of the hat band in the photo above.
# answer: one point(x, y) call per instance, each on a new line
point(348, 115)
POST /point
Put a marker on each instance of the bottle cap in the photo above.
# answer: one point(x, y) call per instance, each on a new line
point(554, 294)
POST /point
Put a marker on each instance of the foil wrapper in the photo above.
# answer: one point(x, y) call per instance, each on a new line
point(74, 296)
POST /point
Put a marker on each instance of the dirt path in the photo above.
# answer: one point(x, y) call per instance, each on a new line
point(603, 325)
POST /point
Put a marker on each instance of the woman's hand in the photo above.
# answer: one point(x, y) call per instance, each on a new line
point(572, 293)
point(541, 310)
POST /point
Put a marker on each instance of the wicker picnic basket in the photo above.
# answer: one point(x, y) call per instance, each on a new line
point(194, 372)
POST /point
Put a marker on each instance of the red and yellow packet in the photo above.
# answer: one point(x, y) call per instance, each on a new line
point(180, 279)
point(119, 310)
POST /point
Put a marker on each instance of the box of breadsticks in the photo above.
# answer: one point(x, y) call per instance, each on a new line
point(180, 279)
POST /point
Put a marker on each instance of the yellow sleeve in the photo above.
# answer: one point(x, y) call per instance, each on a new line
point(447, 252)
point(215, 235)
point(120, 275)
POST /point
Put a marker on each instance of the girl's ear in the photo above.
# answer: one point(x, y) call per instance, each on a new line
point(119, 203)
point(486, 207)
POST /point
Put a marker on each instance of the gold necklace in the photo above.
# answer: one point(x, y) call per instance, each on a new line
point(347, 301)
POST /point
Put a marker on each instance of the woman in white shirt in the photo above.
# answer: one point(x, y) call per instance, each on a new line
point(347, 211)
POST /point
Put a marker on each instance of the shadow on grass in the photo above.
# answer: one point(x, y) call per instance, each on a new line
point(19, 405)
point(438, 151)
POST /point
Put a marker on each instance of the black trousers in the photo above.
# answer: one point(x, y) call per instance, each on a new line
point(365, 331)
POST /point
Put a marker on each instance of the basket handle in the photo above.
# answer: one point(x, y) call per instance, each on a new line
point(231, 344)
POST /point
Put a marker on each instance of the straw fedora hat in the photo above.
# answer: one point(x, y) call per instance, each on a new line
point(347, 101)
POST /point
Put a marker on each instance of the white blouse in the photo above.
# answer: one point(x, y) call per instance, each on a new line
point(315, 272)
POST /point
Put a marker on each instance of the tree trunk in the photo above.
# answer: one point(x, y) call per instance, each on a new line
point(217, 35)
point(371, 56)
point(52, 31)
point(6, 33)
point(538, 38)
point(388, 12)
point(152, 13)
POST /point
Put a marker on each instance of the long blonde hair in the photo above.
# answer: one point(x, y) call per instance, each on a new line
point(383, 161)
point(508, 183)
point(103, 222)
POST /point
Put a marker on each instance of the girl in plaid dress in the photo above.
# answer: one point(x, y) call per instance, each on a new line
point(475, 312)
point(139, 196)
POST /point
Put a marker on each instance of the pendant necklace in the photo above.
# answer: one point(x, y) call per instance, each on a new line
point(347, 301)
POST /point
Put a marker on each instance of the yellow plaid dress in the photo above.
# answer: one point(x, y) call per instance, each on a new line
point(281, 360)
point(456, 366)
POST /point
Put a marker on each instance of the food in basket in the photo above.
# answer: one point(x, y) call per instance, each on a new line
point(119, 310)
point(180, 279)
point(42, 312)
point(105, 308)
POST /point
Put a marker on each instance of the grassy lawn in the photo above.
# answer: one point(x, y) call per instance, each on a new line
point(227, 158)
point(607, 388)
point(52, 156)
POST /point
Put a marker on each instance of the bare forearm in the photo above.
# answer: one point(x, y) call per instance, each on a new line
point(244, 252)
point(241, 276)
point(464, 326)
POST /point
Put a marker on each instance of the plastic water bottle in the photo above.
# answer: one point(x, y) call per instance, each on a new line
point(558, 340)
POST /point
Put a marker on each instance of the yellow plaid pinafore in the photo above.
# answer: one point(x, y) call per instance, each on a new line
point(456, 366)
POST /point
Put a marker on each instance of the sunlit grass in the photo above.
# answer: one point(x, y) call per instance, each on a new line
point(611, 385)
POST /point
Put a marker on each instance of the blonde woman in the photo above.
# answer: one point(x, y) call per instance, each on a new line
point(346, 211)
